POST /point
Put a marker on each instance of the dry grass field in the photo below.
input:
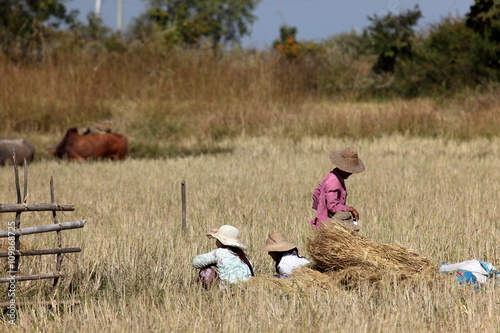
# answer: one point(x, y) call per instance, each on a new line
point(436, 196)
point(170, 97)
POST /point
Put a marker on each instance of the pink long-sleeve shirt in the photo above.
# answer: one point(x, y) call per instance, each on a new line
point(329, 197)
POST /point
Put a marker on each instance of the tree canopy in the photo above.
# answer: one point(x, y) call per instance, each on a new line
point(24, 24)
point(484, 18)
point(391, 37)
point(190, 21)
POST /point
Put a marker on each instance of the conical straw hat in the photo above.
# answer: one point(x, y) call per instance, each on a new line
point(276, 242)
point(347, 160)
point(228, 235)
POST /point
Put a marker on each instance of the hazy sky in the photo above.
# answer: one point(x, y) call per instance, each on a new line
point(314, 19)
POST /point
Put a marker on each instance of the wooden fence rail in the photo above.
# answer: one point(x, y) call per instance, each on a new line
point(35, 207)
point(42, 303)
point(42, 228)
point(42, 276)
point(40, 252)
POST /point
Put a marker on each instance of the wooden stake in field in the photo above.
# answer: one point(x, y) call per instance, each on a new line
point(59, 236)
point(17, 225)
point(183, 199)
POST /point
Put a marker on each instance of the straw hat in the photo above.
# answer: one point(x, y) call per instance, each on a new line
point(227, 235)
point(346, 219)
point(276, 242)
point(347, 160)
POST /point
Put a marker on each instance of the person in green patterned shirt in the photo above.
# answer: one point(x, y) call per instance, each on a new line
point(226, 264)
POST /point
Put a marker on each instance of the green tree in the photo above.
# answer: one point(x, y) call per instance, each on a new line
point(391, 38)
point(190, 21)
point(449, 58)
point(287, 43)
point(445, 62)
point(484, 19)
point(26, 24)
point(287, 35)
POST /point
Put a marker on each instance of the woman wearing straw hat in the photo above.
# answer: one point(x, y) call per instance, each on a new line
point(285, 254)
point(329, 197)
point(227, 263)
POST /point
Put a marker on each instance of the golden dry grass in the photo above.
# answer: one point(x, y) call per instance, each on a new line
point(435, 196)
point(189, 94)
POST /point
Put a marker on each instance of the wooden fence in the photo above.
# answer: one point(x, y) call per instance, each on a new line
point(14, 233)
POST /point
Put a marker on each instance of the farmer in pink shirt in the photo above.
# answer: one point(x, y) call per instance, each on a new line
point(329, 197)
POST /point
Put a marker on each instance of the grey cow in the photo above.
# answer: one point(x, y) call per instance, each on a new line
point(23, 149)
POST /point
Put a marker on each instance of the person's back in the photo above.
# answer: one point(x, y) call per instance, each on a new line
point(289, 261)
point(229, 266)
point(285, 254)
point(329, 197)
point(227, 263)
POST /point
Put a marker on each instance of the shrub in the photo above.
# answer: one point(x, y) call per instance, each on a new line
point(449, 59)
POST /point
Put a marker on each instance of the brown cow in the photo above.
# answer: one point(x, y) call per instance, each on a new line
point(80, 147)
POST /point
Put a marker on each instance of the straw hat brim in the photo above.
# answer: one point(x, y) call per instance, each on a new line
point(338, 160)
point(279, 247)
point(228, 241)
point(343, 216)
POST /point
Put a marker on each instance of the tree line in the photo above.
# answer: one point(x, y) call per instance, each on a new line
point(390, 57)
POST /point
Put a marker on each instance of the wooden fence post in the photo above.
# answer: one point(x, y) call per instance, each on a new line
point(14, 267)
point(59, 256)
point(183, 196)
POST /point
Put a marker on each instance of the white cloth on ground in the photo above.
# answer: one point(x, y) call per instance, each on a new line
point(480, 269)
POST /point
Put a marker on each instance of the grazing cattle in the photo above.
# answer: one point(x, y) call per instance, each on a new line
point(81, 147)
point(23, 149)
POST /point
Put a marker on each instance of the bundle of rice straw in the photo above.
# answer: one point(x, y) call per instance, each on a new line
point(349, 257)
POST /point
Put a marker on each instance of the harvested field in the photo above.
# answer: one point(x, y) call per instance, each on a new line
point(437, 197)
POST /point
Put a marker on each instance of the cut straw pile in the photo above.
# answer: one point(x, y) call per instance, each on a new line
point(342, 258)
point(303, 280)
point(350, 258)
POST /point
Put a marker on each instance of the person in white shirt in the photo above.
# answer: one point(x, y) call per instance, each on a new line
point(285, 254)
